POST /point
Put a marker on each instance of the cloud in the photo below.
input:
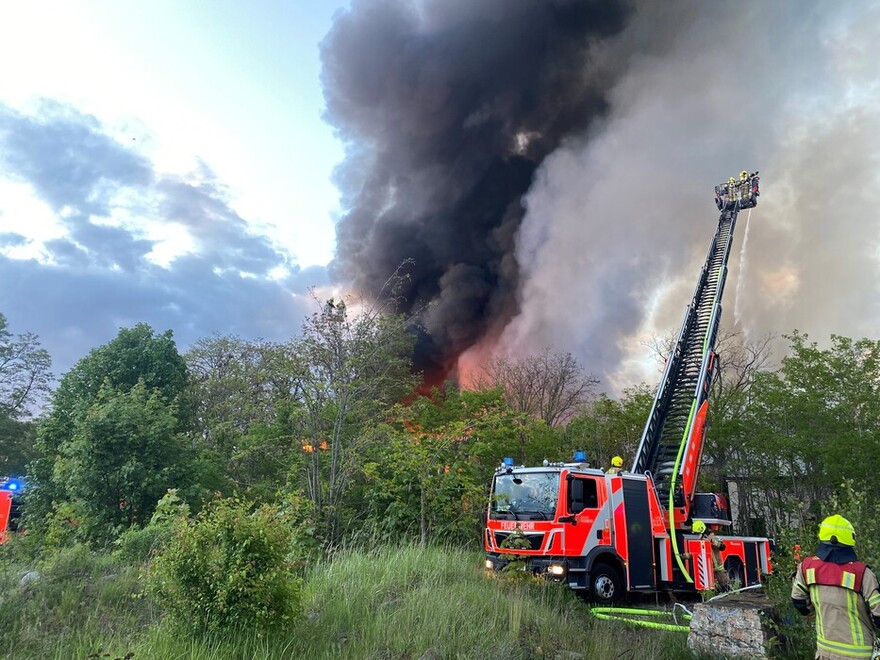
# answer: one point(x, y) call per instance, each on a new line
point(11, 239)
point(64, 155)
point(619, 218)
point(115, 209)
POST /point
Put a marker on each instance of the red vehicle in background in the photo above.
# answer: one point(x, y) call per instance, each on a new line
point(606, 535)
point(10, 489)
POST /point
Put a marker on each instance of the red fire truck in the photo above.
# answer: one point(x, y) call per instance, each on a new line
point(9, 489)
point(609, 534)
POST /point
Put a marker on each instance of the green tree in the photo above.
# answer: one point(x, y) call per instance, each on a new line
point(805, 428)
point(16, 445)
point(235, 383)
point(136, 355)
point(356, 366)
point(738, 363)
point(240, 391)
point(25, 373)
point(608, 427)
point(125, 453)
point(427, 471)
point(262, 460)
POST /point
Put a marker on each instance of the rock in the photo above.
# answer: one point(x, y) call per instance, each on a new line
point(733, 627)
point(30, 576)
point(569, 655)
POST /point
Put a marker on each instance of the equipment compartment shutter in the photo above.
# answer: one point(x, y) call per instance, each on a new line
point(639, 536)
point(752, 572)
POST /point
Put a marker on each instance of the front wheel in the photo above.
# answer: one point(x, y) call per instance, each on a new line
point(606, 585)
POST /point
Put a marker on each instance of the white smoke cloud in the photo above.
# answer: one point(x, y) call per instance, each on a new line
point(618, 221)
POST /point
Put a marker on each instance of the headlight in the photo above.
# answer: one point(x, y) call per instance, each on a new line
point(557, 570)
point(490, 564)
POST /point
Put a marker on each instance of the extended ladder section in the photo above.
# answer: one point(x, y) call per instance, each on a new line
point(671, 446)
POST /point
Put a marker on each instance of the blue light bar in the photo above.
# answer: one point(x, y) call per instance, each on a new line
point(580, 457)
point(508, 461)
point(10, 484)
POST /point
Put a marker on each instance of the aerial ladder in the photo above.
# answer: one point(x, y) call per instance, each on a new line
point(609, 533)
point(671, 446)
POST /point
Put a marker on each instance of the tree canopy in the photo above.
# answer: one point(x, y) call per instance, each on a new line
point(109, 413)
point(334, 420)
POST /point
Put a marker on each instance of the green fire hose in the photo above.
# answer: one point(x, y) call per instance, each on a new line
point(624, 614)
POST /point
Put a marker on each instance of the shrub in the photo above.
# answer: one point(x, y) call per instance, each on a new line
point(795, 635)
point(856, 505)
point(305, 543)
point(228, 568)
point(138, 544)
point(61, 529)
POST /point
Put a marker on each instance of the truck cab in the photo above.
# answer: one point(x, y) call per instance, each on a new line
point(576, 524)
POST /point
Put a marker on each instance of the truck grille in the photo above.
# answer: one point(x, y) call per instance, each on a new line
point(535, 540)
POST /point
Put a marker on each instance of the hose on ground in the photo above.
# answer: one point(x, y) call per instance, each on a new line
point(624, 614)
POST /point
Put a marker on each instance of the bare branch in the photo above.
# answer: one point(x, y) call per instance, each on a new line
point(549, 386)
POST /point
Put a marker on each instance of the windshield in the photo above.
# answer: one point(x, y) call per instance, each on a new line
point(525, 495)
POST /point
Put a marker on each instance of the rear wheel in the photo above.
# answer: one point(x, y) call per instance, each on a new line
point(606, 585)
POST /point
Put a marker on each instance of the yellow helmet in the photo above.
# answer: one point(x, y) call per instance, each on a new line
point(837, 529)
point(731, 180)
point(743, 175)
point(617, 461)
point(698, 527)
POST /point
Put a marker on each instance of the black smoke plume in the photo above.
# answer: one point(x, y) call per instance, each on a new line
point(447, 108)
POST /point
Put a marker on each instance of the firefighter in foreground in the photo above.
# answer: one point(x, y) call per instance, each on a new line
point(842, 591)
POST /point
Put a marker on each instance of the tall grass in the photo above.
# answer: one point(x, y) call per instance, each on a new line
point(429, 603)
point(73, 605)
point(409, 602)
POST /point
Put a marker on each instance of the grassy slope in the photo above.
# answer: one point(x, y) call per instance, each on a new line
point(389, 603)
point(80, 603)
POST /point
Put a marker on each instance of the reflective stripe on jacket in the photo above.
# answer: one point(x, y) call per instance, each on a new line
point(844, 596)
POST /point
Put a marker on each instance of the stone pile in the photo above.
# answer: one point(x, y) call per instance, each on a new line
point(733, 627)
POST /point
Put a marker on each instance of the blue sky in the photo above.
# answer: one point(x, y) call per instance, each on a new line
point(163, 162)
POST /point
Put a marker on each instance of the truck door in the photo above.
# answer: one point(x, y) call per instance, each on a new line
point(639, 535)
point(587, 504)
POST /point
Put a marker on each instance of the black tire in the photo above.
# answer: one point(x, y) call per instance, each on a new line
point(606, 585)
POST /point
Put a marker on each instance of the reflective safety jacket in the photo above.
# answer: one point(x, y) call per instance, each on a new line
point(846, 600)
